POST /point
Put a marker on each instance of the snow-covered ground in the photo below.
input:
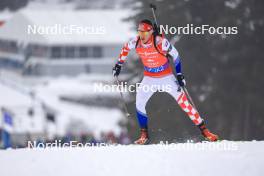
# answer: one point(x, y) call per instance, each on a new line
point(15, 91)
point(242, 158)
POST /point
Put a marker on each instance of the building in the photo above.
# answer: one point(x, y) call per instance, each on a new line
point(63, 42)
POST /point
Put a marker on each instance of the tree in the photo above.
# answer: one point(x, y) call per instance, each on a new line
point(223, 72)
point(13, 4)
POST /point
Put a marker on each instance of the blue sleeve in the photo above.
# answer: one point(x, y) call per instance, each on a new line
point(172, 51)
point(177, 64)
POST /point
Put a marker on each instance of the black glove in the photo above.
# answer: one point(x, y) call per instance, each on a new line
point(116, 69)
point(181, 80)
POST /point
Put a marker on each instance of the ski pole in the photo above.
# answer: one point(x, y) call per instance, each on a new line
point(189, 97)
point(154, 8)
point(122, 97)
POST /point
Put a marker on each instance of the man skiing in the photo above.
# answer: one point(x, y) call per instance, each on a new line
point(154, 51)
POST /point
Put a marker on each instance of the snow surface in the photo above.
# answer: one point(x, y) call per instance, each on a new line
point(246, 159)
point(15, 89)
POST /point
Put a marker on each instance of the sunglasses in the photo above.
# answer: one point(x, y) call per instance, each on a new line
point(143, 32)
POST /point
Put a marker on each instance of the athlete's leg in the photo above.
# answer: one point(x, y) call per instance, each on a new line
point(186, 106)
point(181, 99)
point(142, 97)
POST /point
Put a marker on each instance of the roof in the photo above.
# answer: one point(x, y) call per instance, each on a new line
point(112, 23)
point(13, 98)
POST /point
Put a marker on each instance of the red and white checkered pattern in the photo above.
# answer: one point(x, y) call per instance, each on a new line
point(189, 109)
point(123, 54)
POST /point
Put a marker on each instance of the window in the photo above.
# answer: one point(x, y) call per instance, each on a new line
point(97, 51)
point(37, 50)
point(56, 52)
point(9, 46)
point(89, 51)
point(69, 52)
point(76, 52)
point(83, 52)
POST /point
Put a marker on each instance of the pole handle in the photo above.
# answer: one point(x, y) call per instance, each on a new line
point(153, 6)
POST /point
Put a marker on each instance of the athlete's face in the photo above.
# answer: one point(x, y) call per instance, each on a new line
point(145, 35)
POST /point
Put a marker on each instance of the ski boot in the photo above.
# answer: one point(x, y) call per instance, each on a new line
point(143, 139)
point(207, 134)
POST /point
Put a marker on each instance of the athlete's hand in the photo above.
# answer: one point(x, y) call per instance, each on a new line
point(116, 69)
point(181, 79)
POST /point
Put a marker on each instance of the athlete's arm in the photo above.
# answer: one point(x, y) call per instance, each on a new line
point(125, 50)
point(123, 55)
point(171, 50)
